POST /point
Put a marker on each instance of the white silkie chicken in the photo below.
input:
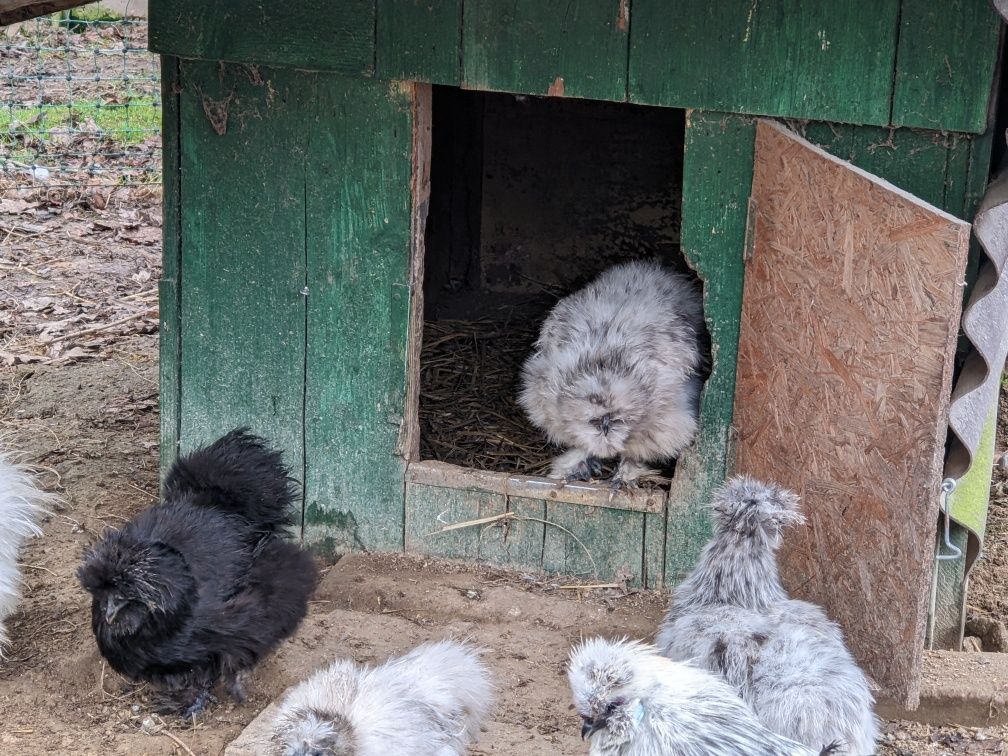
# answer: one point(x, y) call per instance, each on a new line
point(428, 702)
point(616, 372)
point(635, 702)
point(785, 657)
point(21, 506)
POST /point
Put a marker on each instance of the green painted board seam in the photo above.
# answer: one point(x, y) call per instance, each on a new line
point(895, 60)
point(304, 377)
point(170, 341)
point(417, 40)
point(626, 12)
point(945, 65)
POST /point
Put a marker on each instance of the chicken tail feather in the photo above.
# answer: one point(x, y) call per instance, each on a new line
point(238, 474)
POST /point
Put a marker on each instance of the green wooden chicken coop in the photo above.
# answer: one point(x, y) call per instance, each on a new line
point(369, 204)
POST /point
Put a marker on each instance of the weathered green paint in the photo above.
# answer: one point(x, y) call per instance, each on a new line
point(419, 40)
point(915, 161)
point(577, 48)
point(169, 327)
point(305, 264)
point(829, 61)
point(654, 549)
point(927, 164)
point(689, 525)
point(328, 533)
point(979, 171)
point(523, 545)
point(358, 210)
point(430, 509)
point(309, 186)
point(906, 62)
point(945, 64)
point(614, 538)
point(307, 34)
point(957, 173)
point(717, 178)
point(512, 543)
point(243, 264)
point(836, 138)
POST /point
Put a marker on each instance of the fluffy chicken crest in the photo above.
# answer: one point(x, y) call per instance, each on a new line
point(785, 657)
point(635, 702)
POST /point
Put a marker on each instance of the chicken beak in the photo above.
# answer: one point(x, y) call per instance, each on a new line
point(112, 608)
point(590, 726)
point(606, 424)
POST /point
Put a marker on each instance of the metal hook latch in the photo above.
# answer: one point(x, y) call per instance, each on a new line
point(954, 552)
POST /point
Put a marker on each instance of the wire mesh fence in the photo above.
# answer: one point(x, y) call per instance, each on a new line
point(80, 101)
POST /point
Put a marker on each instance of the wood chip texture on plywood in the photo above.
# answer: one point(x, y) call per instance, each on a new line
point(849, 319)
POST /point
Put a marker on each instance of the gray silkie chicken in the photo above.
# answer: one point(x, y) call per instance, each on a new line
point(615, 372)
point(635, 702)
point(428, 702)
point(21, 506)
point(785, 657)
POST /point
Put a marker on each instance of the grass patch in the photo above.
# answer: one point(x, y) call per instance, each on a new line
point(79, 19)
point(125, 124)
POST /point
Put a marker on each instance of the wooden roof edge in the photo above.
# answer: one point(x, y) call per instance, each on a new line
point(15, 11)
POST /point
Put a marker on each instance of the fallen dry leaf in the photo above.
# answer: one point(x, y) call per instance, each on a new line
point(143, 235)
point(16, 206)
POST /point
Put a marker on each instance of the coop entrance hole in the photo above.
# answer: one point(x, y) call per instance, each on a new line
point(530, 199)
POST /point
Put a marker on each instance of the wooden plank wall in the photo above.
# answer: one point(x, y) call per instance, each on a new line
point(291, 258)
point(945, 64)
point(576, 50)
point(308, 34)
point(419, 39)
point(743, 57)
point(572, 539)
point(900, 62)
point(358, 210)
point(237, 261)
point(242, 254)
point(717, 176)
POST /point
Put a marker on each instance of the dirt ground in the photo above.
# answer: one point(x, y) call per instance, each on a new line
point(83, 410)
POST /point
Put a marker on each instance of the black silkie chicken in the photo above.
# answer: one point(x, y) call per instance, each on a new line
point(199, 588)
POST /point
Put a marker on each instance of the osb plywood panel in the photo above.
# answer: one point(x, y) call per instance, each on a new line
point(850, 312)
